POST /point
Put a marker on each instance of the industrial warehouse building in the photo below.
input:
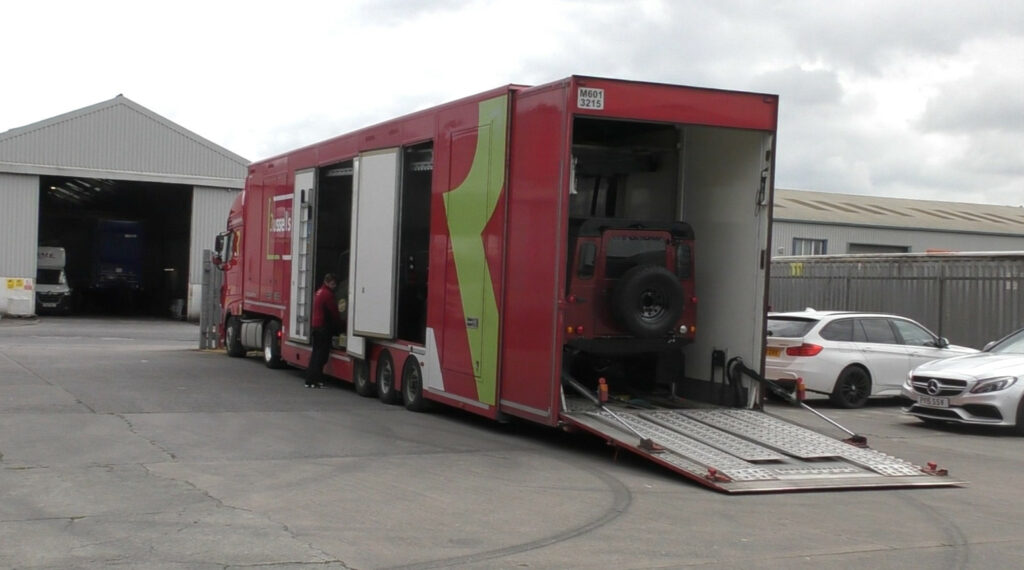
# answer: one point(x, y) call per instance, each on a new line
point(824, 223)
point(115, 166)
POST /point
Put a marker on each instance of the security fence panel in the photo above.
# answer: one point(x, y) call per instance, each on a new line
point(970, 299)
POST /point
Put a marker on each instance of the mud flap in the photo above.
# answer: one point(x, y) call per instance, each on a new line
point(750, 451)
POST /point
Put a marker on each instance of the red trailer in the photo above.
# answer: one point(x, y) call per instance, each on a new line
point(524, 251)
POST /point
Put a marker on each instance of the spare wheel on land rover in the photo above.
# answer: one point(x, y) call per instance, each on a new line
point(648, 300)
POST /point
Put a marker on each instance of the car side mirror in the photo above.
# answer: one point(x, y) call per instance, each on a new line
point(943, 342)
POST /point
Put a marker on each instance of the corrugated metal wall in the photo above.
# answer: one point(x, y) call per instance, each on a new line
point(19, 225)
point(918, 241)
point(210, 207)
point(969, 299)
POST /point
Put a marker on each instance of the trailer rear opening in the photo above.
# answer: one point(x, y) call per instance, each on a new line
point(631, 288)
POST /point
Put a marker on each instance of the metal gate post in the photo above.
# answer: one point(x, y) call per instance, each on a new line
point(209, 312)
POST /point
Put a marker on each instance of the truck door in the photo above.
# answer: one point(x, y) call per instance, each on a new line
point(373, 262)
point(468, 215)
point(303, 199)
point(475, 252)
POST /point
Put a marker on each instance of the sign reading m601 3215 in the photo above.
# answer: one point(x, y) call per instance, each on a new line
point(590, 98)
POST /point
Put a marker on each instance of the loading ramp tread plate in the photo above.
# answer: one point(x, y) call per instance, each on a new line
point(702, 456)
point(800, 441)
point(742, 448)
point(753, 450)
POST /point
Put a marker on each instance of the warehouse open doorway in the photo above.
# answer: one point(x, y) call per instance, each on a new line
point(126, 243)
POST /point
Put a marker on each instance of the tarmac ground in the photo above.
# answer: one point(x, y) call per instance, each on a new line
point(123, 445)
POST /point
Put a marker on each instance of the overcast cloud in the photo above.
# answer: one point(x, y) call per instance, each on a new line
point(915, 99)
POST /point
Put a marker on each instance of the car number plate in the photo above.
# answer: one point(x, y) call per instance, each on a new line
point(774, 352)
point(933, 402)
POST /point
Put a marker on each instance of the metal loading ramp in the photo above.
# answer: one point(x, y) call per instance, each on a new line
point(750, 451)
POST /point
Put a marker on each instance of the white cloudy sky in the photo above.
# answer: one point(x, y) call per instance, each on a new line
point(917, 98)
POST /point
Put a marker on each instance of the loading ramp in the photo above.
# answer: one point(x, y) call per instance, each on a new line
point(748, 451)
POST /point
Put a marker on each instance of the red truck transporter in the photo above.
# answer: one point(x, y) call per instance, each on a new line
point(527, 250)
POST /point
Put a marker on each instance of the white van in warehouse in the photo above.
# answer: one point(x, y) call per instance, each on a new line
point(53, 295)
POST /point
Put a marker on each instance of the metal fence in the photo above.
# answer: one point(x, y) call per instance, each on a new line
point(970, 299)
point(209, 312)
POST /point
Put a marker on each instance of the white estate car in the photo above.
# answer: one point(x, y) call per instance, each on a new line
point(983, 388)
point(849, 356)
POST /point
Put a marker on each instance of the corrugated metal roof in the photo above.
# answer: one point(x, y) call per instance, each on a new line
point(875, 211)
point(121, 140)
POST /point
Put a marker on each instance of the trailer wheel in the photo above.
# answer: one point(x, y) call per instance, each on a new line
point(361, 378)
point(412, 385)
point(852, 388)
point(648, 301)
point(233, 337)
point(386, 379)
point(272, 345)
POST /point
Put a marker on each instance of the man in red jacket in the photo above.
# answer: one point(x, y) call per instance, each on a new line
point(326, 322)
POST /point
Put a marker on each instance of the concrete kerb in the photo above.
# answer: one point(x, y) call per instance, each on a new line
point(17, 321)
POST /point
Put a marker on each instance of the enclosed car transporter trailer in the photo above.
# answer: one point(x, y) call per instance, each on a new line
point(526, 251)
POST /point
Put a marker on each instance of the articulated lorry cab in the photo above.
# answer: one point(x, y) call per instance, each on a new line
point(53, 295)
point(522, 252)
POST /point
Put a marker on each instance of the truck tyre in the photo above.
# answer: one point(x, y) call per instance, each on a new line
point(852, 388)
point(386, 379)
point(648, 301)
point(361, 378)
point(412, 385)
point(272, 345)
point(233, 337)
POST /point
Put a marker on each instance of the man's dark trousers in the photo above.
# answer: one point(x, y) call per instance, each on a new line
point(321, 352)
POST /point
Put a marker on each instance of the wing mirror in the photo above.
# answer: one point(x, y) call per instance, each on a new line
point(218, 249)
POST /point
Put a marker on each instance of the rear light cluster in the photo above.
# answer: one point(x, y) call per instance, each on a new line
point(805, 349)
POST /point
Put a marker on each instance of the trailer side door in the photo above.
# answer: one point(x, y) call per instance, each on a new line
point(373, 262)
point(302, 257)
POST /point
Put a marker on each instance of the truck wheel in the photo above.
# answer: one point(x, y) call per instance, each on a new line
point(361, 378)
point(852, 388)
point(412, 385)
point(272, 345)
point(233, 337)
point(386, 379)
point(648, 301)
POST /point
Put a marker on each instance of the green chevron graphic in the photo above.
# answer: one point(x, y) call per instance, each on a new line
point(468, 208)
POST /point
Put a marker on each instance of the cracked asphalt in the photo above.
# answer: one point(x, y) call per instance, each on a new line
point(123, 445)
